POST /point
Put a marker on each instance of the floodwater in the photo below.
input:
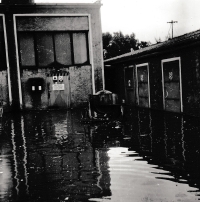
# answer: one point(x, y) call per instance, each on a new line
point(51, 156)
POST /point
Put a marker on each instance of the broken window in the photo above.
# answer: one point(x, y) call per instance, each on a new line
point(44, 49)
point(63, 48)
point(80, 48)
point(27, 49)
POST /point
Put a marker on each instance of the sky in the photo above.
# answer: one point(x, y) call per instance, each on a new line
point(147, 19)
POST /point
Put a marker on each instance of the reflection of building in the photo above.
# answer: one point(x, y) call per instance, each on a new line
point(6, 182)
point(50, 53)
point(61, 156)
point(167, 141)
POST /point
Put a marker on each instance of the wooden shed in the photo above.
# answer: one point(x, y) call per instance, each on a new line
point(163, 76)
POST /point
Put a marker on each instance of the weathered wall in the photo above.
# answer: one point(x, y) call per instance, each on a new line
point(80, 87)
point(4, 91)
point(45, 23)
point(190, 62)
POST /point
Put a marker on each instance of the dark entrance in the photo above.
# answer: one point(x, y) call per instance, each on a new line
point(129, 85)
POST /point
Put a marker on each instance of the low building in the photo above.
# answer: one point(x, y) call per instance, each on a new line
point(51, 54)
point(164, 76)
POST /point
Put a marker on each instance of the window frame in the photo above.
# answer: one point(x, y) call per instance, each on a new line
point(55, 63)
point(148, 81)
point(180, 80)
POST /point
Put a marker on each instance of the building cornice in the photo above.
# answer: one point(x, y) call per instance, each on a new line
point(186, 40)
point(56, 5)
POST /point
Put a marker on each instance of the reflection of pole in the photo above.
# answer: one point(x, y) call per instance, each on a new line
point(165, 135)
point(172, 22)
point(25, 154)
point(14, 157)
point(97, 159)
point(182, 138)
point(20, 156)
point(150, 134)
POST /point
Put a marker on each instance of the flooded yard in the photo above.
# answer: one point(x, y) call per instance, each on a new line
point(50, 156)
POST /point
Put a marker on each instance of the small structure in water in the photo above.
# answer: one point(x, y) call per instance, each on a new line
point(103, 106)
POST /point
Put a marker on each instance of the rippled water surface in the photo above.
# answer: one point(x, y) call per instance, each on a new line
point(51, 156)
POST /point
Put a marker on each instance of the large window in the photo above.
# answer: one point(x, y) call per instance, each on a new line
point(42, 49)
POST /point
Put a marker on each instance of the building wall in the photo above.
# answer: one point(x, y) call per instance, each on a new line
point(82, 79)
point(190, 80)
point(5, 92)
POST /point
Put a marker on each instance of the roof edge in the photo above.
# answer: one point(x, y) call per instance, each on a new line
point(57, 4)
point(179, 40)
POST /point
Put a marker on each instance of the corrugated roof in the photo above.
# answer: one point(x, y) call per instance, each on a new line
point(180, 40)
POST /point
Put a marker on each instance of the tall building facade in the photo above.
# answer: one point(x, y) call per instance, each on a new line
point(51, 54)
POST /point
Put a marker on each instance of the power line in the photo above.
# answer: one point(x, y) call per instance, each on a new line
point(172, 22)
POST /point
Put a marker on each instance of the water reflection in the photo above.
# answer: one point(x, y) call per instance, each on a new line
point(19, 153)
point(171, 142)
point(51, 159)
point(52, 156)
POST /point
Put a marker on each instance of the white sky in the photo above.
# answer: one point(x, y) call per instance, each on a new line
point(147, 18)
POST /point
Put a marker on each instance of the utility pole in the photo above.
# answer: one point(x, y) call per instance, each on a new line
point(172, 22)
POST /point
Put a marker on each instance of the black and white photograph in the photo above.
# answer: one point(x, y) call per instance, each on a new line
point(99, 100)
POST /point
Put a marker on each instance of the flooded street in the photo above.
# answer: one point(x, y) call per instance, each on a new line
point(51, 156)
